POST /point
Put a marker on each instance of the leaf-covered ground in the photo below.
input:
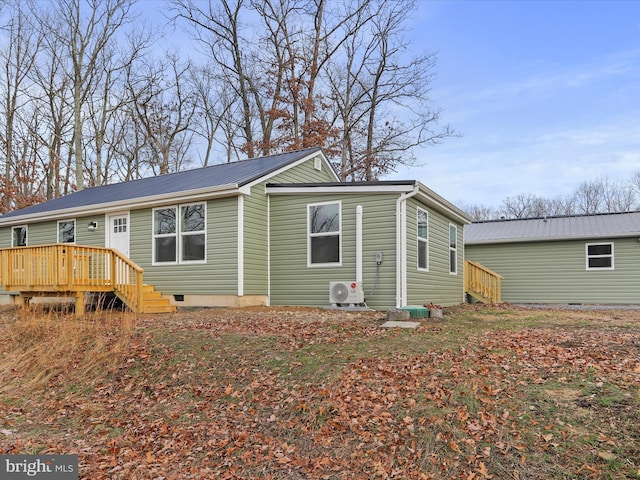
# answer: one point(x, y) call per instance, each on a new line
point(488, 392)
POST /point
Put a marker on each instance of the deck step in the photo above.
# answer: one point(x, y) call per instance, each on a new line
point(479, 297)
point(154, 302)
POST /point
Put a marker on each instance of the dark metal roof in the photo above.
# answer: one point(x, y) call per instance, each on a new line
point(235, 173)
point(608, 225)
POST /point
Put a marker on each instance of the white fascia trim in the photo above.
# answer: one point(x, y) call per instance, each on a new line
point(240, 245)
point(185, 196)
point(431, 198)
point(323, 189)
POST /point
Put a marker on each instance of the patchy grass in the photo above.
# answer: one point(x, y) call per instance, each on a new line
point(490, 392)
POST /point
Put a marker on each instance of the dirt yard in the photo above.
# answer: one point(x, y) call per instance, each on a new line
point(490, 392)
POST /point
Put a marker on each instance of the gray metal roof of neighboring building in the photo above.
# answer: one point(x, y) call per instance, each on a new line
point(606, 225)
point(234, 174)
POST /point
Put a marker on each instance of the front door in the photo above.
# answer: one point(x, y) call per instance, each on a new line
point(119, 233)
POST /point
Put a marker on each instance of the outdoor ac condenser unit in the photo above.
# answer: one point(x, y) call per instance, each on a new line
point(346, 292)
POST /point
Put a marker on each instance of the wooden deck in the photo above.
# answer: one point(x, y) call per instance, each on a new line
point(482, 283)
point(70, 270)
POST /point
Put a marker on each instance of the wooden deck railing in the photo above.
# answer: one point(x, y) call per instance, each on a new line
point(68, 268)
point(482, 283)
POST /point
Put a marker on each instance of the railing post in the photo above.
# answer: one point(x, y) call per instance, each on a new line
point(3, 267)
point(112, 269)
point(139, 292)
point(68, 249)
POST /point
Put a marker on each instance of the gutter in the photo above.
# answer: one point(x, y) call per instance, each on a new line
point(401, 246)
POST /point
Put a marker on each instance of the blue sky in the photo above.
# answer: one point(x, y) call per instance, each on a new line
point(546, 95)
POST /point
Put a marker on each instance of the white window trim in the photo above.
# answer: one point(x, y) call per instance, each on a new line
point(455, 249)
point(26, 227)
point(419, 239)
point(326, 234)
point(154, 235)
point(587, 256)
point(199, 232)
point(75, 230)
point(178, 234)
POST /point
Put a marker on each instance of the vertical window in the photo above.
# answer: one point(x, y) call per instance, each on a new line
point(599, 256)
point(453, 249)
point(192, 236)
point(66, 231)
point(165, 235)
point(179, 239)
point(324, 227)
point(19, 236)
point(423, 239)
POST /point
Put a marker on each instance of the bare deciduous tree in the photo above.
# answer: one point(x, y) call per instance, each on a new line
point(602, 195)
point(85, 29)
point(164, 106)
point(524, 206)
point(18, 58)
point(320, 73)
point(213, 104)
point(635, 185)
point(480, 212)
point(91, 111)
point(217, 27)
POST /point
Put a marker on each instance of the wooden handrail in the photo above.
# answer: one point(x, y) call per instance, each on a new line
point(64, 267)
point(482, 282)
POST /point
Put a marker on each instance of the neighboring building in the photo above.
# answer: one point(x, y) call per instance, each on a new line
point(274, 230)
point(581, 259)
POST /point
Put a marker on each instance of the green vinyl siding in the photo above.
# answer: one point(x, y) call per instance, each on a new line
point(256, 277)
point(255, 224)
point(436, 285)
point(303, 173)
point(378, 235)
point(45, 233)
point(5, 237)
point(218, 276)
point(85, 237)
point(42, 233)
point(555, 272)
point(293, 282)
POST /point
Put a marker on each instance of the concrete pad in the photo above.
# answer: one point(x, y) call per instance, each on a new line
point(396, 315)
point(400, 325)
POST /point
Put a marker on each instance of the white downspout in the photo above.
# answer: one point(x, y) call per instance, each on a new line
point(359, 243)
point(240, 245)
point(401, 247)
point(268, 250)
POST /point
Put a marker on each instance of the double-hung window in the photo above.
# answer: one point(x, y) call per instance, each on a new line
point(453, 249)
point(423, 239)
point(19, 236)
point(192, 233)
point(599, 256)
point(324, 234)
point(67, 231)
point(179, 234)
